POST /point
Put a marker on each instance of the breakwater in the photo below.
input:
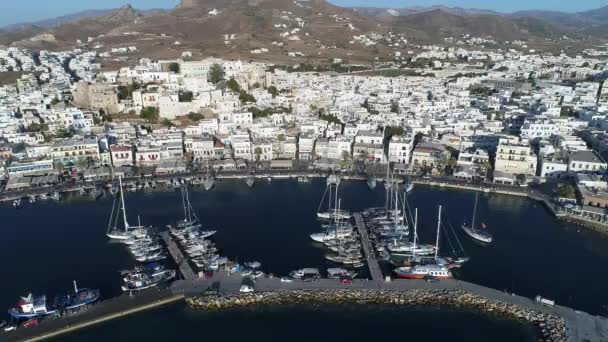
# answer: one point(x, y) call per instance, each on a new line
point(551, 327)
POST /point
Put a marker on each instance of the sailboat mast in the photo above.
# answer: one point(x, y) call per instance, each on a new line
point(184, 204)
point(438, 228)
point(474, 211)
point(415, 230)
point(122, 201)
point(75, 287)
point(387, 187)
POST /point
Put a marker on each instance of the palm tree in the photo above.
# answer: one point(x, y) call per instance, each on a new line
point(258, 152)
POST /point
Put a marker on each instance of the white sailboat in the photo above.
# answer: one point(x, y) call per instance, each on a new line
point(190, 220)
point(481, 235)
point(114, 232)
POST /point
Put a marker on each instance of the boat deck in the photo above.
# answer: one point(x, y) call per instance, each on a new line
point(182, 262)
point(368, 248)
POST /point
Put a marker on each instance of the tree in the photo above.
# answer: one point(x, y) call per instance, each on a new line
point(151, 114)
point(174, 67)
point(389, 132)
point(216, 73)
point(281, 137)
point(258, 153)
point(185, 96)
point(256, 85)
point(167, 123)
point(345, 155)
point(233, 85)
point(64, 133)
point(364, 155)
point(394, 107)
point(567, 191)
point(246, 97)
point(273, 91)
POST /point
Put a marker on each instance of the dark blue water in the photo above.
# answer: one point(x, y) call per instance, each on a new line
point(309, 323)
point(47, 245)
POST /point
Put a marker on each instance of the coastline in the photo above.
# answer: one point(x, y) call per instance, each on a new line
point(449, 183)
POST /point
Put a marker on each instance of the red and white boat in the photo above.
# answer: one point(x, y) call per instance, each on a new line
point(422, 271)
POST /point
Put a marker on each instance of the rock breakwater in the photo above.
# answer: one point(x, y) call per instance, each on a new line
point(551, 328)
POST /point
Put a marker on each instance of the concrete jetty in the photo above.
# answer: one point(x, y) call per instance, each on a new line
point(368, 248)
point(181, 261)
point(95, 314)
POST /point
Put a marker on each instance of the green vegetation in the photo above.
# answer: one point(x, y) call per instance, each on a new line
point(151, 114)
point(567, 191)
point(55, 101)
point(216, 73)
point(167, 123)
point(477, 90)
point(126, 92)
point(34, 127)
point(567, 111)
point(330, 118)
point(174, 67)
point(195, 116)
point(246, 97)
point(258, 152)
point(233, 85)
point(262, 113)
point(185, 96)
point(273, 91)
point(64, 133)
point(394, 106)
point(389, 132)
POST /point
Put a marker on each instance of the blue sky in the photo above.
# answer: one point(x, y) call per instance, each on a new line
point(19, 11)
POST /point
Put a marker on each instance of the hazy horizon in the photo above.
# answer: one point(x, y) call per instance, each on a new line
point(28, 11)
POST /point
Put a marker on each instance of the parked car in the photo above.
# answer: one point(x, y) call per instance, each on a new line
point(346, 280)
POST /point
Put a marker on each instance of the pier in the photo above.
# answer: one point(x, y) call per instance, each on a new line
point(181, 262)
point(95, 314)
point(368, 249)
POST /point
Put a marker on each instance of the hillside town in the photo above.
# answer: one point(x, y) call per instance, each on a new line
point(470, 114)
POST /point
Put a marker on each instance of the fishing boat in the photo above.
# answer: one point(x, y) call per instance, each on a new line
point(208, 182)
point(31, 307)
point(422, 271)
point(78, 299)
point(142, 281)
point(250, 181)
point(481, 235)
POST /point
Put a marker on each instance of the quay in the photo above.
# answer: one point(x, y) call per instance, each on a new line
point(182, 262)
point(581, 327)
point(95, 314)
point(368, 249)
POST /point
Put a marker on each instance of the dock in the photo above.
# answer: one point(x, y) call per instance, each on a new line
point(368, 249)
point(182, 262)
point(95, 314)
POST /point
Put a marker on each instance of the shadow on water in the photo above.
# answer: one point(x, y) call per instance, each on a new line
point(311, 323)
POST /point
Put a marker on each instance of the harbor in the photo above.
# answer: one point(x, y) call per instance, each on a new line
point(229, 279)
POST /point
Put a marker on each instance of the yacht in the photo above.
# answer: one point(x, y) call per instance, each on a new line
point(481, 235)
point(114, 232)
point(422, 271)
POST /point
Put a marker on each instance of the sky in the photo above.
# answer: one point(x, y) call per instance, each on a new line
point(21, 11)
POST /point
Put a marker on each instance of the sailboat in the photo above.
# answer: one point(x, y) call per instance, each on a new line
point(190, 220)
point(333, 183)
point(436, 270)
point(114, 232)
point(481, 235)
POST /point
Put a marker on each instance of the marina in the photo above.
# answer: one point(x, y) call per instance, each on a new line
point(230, 279)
